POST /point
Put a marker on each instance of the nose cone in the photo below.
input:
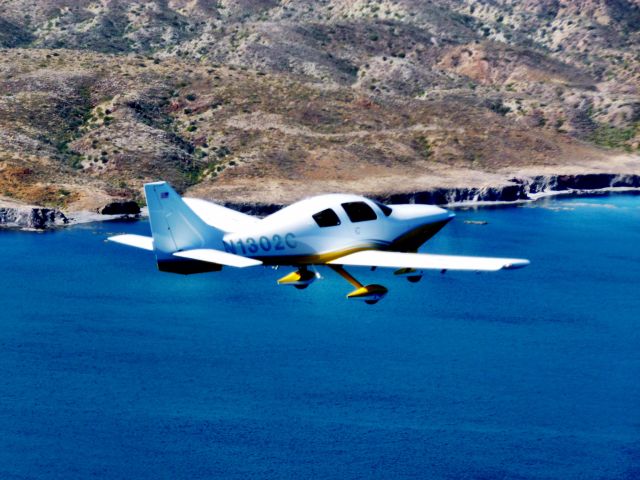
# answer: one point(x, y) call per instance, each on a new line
point(429, 213)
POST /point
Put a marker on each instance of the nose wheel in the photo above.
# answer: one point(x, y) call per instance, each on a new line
point(371, 294)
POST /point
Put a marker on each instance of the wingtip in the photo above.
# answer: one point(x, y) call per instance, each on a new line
point(131, 240)
point(115, 238)
point(517, 263)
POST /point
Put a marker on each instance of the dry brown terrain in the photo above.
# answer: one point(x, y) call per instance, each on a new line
point(270, 101)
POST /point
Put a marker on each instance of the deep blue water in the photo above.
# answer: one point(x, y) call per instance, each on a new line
point(111, 369)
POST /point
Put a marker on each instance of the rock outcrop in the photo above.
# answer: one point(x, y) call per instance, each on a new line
point(31, 218)
point(128, 207)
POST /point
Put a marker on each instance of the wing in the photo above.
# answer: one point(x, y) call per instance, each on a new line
point(218, 256)
point(138, 241)
point(377, 258)
point(202, 254)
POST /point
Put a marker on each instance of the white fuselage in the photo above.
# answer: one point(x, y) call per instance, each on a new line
point(294, 233)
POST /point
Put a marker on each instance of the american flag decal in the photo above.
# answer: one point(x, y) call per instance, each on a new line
point(164, 195)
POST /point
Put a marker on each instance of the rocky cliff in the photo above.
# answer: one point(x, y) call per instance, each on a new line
point(31, 218)
point(518, 189)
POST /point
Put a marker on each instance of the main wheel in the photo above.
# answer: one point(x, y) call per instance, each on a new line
point(414, 278)
point(301, 287)
point(371, 302)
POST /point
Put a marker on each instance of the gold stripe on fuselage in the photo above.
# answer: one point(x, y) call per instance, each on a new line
point(319, 258)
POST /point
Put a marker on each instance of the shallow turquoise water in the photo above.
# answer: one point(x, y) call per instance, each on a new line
point(110, 369)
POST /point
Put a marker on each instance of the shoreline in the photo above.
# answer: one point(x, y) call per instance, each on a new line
point(15, 216)
point(517, 190)
point(543, 195)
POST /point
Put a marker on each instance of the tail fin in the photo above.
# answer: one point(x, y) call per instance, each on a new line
point(175, 227)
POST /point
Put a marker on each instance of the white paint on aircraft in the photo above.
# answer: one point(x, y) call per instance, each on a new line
point(191, 235)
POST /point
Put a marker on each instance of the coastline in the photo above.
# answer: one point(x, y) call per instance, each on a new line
point(519, 190)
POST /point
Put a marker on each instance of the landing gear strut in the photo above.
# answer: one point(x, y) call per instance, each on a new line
point(300, 279)
point(371, 294)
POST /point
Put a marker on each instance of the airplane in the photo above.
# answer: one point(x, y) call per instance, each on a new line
point(190, 235)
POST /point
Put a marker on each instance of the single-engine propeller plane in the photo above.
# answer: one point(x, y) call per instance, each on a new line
point(193, 236)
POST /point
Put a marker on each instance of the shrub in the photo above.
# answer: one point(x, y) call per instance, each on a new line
point(613, 137)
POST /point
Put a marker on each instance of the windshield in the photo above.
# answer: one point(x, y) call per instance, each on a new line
point(385, 209)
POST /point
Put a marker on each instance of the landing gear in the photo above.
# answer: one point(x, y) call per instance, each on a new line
point(300, 279)
point(411, 274)
point(371, 294)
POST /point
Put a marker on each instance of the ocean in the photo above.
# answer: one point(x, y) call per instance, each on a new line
point(111, 369)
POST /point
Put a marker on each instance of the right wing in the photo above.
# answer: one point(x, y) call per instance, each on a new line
point(379, 258)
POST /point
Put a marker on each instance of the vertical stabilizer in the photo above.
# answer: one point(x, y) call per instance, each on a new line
point(175, 227)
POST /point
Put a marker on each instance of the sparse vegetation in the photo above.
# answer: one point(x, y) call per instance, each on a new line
point(108, 98)
point(612, 137)
point(424, 147)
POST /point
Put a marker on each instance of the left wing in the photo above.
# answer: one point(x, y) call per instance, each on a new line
point(218, 256)
point(138, 241)
point(378, 258)
point(201, 254)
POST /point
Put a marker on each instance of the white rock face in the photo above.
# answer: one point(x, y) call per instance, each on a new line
point(31, 218)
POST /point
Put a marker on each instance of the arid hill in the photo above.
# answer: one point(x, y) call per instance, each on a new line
point(269, 101)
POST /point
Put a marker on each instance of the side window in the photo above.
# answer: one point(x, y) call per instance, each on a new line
point(385, 209)
point(326, 218)
point(359, 211)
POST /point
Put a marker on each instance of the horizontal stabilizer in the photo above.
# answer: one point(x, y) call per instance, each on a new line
point(377, 258)
point(138, 241)
point(217, 256)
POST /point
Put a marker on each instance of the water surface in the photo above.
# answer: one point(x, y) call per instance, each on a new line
point(111, 369)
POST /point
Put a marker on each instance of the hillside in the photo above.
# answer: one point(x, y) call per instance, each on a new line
point(269, 101)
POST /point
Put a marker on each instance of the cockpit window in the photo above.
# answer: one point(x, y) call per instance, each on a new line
point(359, 211)
point(385, 209)
point(326, 218)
